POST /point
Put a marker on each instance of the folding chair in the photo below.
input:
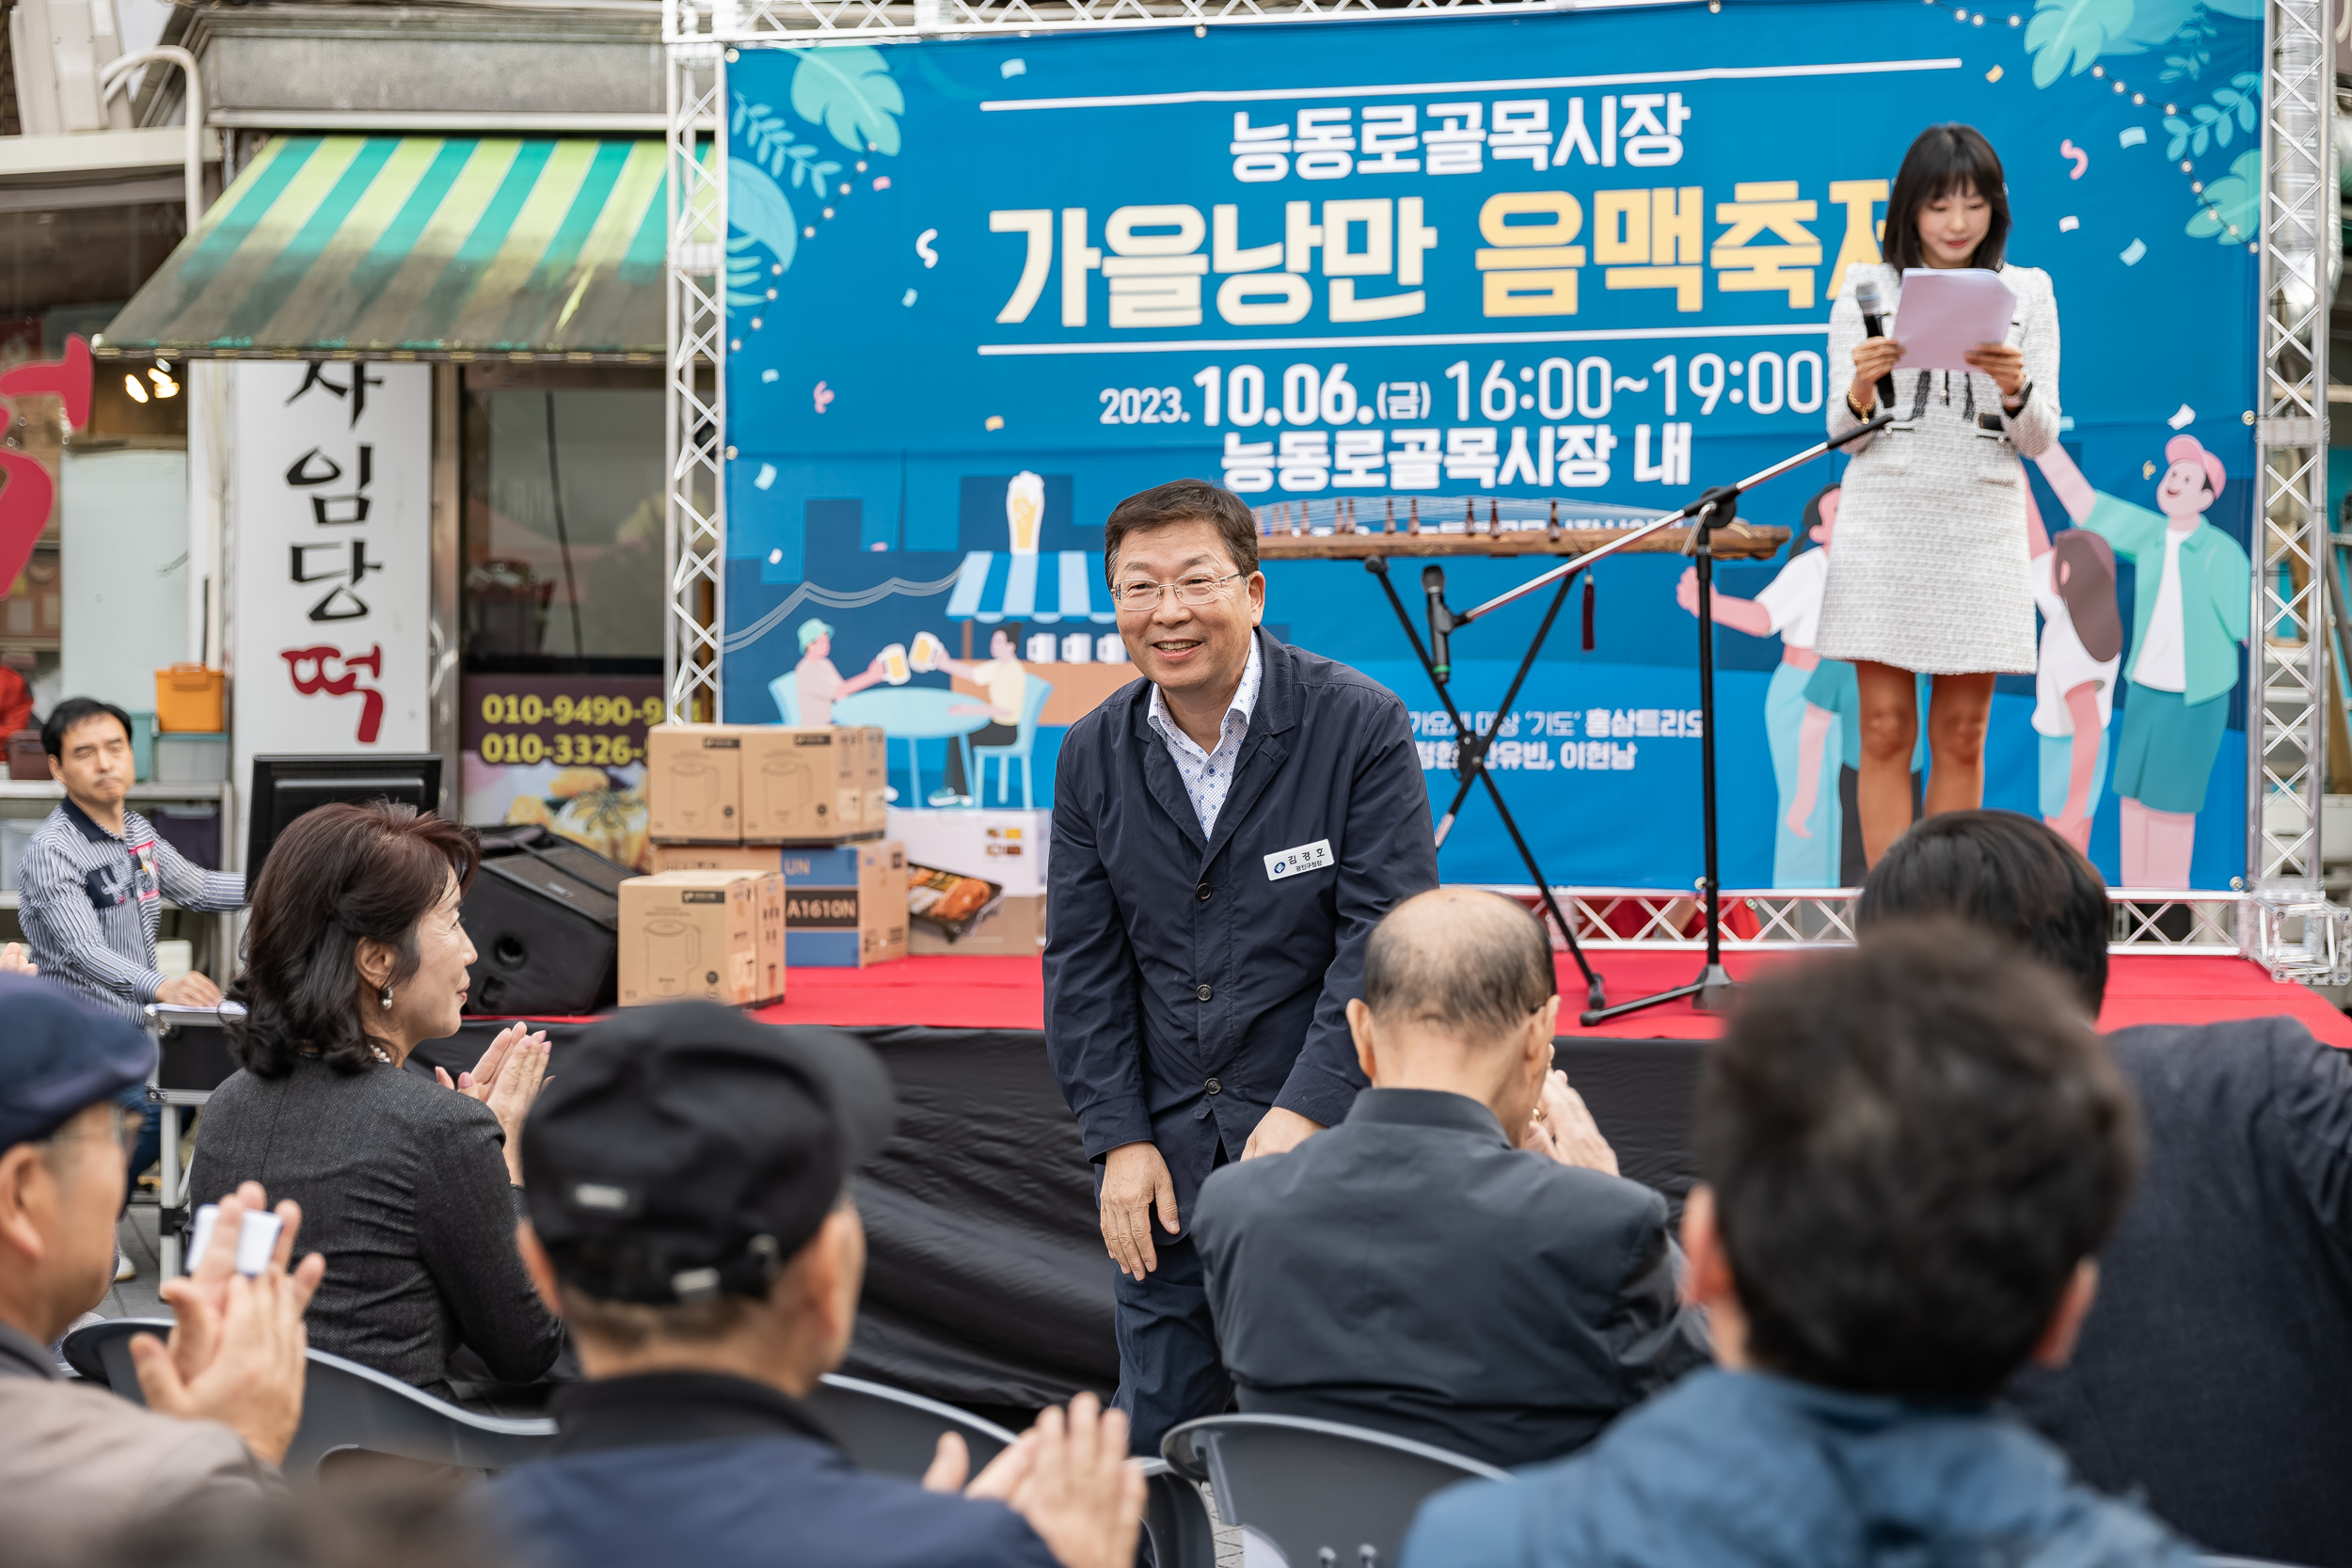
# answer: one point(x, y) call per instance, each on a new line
point(1320, 1494)
point(345, 1407)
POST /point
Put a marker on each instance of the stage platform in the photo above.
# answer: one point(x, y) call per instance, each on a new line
point(950, 993)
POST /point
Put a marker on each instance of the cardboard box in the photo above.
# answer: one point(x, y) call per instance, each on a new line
point(695, 783)
point(845, 908)
point(801, 784)
point(713, 934)
point(1005, 847)
point(1015, 928)
point(716, 857)
point(877, 780)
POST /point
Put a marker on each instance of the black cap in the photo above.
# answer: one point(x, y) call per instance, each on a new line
point(683, 1151)
point(58, 1057)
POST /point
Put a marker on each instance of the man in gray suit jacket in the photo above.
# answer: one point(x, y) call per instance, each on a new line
point(2214, 1375)
point(224, 1396)
point(1459, 1261)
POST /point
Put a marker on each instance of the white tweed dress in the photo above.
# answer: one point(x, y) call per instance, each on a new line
point(1931, 571)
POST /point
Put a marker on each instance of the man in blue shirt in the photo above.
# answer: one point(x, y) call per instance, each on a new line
point(1912, 1152)
point(1227, 832)
point(690, 1219)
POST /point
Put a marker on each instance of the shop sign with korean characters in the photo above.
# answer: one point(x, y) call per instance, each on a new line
point(332, 501)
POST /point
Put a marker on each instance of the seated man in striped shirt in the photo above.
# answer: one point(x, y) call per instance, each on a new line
point(95, 875)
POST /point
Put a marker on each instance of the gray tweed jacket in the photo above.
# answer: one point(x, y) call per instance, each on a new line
point(403, 1185)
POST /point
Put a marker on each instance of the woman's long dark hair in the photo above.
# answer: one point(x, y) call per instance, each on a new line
point(2088, 590)
point(340, 874)
point(1945, 159)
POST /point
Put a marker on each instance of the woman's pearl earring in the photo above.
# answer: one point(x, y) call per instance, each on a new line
point(388, 996)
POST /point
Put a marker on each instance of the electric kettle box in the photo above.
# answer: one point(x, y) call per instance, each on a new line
point(695, 783)
point(801, 784)
point(845, 908)
point(876, 742)
point(718, 935)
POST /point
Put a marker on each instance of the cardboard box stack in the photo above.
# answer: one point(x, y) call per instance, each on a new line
point(763, 783)
point(715, 934)
point(845, 905)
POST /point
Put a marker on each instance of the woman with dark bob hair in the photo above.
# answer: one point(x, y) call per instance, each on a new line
point(353, 955)
point(1932, 576)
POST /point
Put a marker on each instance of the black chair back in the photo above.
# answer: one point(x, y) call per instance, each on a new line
point(1324, 1495)
point(889, 1430)
point(345, 1407)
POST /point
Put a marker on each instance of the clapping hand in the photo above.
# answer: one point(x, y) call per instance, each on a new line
point(1563, 1128)
point(1069, 1477)
point(235, 1354)
point(507, 1079)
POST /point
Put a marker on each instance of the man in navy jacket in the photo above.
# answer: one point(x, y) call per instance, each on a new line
point(1227, 832)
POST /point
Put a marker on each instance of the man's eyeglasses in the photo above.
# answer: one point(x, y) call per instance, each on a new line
point(127, 1123)
point(1199, 589)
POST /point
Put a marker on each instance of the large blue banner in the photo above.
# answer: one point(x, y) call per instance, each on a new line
point(980, 289)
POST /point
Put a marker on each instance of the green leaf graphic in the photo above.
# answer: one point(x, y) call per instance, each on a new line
point(2231, 206)
point(851, 92)
point(2066, 36)
point(760, 210)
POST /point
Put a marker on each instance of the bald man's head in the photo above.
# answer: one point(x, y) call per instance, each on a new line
point(1460, 962)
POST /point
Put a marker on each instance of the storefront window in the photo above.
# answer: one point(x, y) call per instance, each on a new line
point(562, 521)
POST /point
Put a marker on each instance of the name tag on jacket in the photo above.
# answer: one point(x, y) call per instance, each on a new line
point(1292, 863)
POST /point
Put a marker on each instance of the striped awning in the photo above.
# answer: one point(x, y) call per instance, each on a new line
point(1057, 585)
point(449, 247)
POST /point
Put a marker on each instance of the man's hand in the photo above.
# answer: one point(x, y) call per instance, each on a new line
point(1136, 1184)
point(1071, 1479)
point(1563, 1129)
point(192, 989)
point(13, 962)
point(1278, 1132)
point(235, 1354)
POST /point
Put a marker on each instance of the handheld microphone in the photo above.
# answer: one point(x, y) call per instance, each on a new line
point(1440, 621)
point(1866, 295)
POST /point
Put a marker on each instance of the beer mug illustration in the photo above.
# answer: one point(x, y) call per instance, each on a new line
point(895, 664)
point(1078, 648)
point(1108, 649)
point(1042, 647)
point(925, 652)
point(1024, 511)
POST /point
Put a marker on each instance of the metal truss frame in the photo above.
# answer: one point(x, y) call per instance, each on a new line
point(2287, 924)
point(695, 389)
point(2286, 706)
point(2145, 920)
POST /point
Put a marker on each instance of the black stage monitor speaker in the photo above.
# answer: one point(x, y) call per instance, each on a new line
point(542, 915)
point(286, 786)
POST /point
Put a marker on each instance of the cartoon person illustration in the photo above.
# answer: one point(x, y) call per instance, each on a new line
point(2074, 673)
point(2191, 590)
point(1007, 687)
point(820, 684)
point(1804, 843)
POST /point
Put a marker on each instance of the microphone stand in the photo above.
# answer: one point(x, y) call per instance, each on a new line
point(1714, 989)
point(1713, 509)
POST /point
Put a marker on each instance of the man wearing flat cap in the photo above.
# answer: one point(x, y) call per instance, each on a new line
point(77, 1463)
point(690, 1219)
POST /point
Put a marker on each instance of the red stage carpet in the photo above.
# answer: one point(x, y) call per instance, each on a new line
point(1009, 993)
